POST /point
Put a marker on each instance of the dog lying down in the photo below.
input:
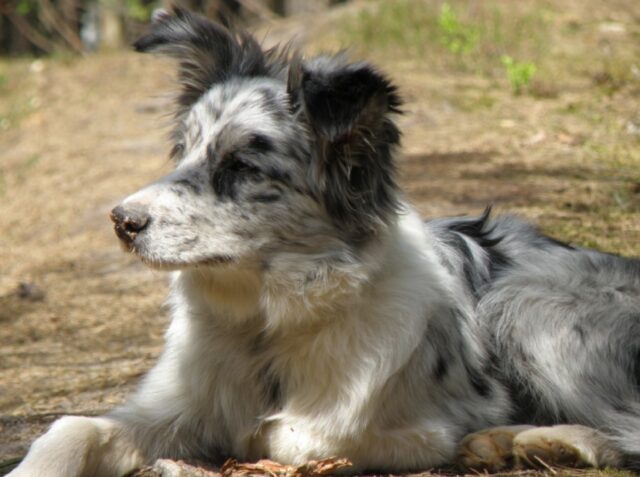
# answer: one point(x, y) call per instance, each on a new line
point(316, 315)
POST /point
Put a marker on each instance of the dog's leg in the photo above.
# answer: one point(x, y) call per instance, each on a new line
point(566, 445)
point(489, 449)
point(80, 447)
point(527, 446)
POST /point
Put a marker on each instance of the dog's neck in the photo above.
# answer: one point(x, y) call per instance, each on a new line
point(296, 289)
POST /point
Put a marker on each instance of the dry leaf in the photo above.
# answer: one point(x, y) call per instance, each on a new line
point(313, 468)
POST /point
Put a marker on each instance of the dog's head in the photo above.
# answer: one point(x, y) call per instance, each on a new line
point(273, 153)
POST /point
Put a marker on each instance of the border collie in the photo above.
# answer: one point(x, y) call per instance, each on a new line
point(314, 314)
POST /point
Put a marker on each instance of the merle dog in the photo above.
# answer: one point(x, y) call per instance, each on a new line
point(315, 314)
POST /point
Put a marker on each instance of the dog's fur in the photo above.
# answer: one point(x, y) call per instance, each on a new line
point(315, 314)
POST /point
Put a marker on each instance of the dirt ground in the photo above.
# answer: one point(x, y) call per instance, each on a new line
point(81, 321)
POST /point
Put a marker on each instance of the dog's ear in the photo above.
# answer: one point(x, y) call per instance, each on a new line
point(349, 109)
point(207, 52)
point(341, 98)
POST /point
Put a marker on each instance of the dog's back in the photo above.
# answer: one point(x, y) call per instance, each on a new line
point(562, 323)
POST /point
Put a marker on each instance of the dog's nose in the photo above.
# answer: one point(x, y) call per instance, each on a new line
point(129, 221)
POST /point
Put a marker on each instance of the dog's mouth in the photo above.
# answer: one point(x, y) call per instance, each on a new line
point(130, 228)
point(168, 265)
point(159, 263)
point(126, 244)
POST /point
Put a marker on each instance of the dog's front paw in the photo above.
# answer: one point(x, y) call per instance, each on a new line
point(490, 449)
point(565, 445)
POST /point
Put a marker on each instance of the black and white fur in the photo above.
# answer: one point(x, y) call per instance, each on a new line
point(316, 315)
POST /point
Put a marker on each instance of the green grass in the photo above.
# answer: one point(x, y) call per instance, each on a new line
point(404, 26)
point(456, 35)
point(518, 73)
point(475, 37)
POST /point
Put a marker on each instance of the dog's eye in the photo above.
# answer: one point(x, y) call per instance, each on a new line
point(241, 167)
point(267, 197)
point(232, 172)
point(176, 151)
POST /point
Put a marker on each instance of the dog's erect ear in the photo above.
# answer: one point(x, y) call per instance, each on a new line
point(348, 108)
point(208, 53)
point(339, 97)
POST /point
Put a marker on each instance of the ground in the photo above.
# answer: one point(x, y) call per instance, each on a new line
point(81, 321)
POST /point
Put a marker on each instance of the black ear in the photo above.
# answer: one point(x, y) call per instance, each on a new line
point(207, 52)
point(340, 98)
point(349, 109)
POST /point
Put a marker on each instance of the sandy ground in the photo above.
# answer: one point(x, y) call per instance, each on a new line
point(80, 321)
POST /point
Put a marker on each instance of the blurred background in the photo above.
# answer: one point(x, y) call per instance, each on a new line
point(530, 105)
point(50, 26)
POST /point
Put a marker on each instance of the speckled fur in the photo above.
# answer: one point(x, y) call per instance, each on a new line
point(314, 314)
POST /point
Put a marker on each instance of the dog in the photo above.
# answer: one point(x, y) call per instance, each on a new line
point(315, 314)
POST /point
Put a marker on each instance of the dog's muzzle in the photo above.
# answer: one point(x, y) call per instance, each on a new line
point(128, 222)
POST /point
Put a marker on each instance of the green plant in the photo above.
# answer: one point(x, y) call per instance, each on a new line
point(519, 73)
point(456, 36)
point(139, 10)
point(24, 7)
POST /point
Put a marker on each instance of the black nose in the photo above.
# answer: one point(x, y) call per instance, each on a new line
point(129, 221)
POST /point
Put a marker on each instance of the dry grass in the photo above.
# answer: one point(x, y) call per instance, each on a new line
point(91, 137)
point(78, 134)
